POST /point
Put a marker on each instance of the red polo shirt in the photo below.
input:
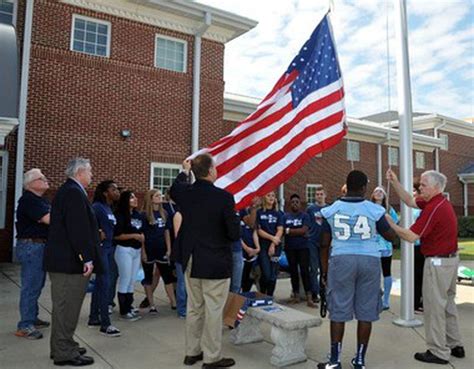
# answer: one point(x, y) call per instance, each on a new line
point(437, 226)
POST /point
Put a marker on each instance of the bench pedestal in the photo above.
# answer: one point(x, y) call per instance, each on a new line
point(289, 346)
point(248, 331)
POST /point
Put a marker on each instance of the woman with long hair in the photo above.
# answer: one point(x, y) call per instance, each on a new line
point(269, 225)
point(128, 235)
point(379, 196)
point(157, 246)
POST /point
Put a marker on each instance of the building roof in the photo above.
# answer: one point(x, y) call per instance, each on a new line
point(178, 15)
point(388, 116)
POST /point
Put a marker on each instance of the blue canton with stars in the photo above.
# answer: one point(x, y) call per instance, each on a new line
point(316, 63)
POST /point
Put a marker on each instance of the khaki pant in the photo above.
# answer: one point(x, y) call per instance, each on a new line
point(67, 294)
point(441, 315)
point(206, 300)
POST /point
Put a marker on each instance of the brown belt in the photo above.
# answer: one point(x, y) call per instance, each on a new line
point(452, 255)
point(33, 240)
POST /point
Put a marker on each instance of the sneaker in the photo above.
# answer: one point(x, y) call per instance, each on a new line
point(356, 365)
point(134, 310)
point(41, 324)
point(153, 310)
point(110, 331)
point(30, 333)
point(145, 303)
point(329, 365)
point(182, 316)
point(93, 323)
point(130, 317)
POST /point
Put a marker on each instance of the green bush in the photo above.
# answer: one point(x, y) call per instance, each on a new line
point(466, 227)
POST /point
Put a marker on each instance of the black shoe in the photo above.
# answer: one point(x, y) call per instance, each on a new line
point(191, 360)
point(41, 324)
point(81, 350)
point(94, 324)
point(428, 357)
point(78, 361)
point(458, 352)
point(222, 363)
point(145, 303)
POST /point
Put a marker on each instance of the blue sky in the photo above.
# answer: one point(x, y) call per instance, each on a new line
point(441, 41)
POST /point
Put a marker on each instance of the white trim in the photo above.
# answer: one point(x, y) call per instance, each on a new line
point(178, 40)
point(155, 164)
point(314, 186)
point(393, 161)
point(350, 144)
point(3, 189)
point(95, 20)
point(419, 155)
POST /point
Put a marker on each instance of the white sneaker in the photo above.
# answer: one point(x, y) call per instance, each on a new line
point(110, 331)
point(130, 317)
point(134, 310)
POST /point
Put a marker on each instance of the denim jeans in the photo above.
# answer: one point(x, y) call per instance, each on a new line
point(314, 267)
point(30, 255)
point(100, 295)
point(128, 263)
point(269, 270)
point(181, 295)
point(237, 268)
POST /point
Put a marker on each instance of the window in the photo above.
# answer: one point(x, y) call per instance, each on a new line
point(170, 54)
point(3, 186)
point(311, 192)
point(392, 156)
point(163, 175)
point(420, 160)
point(6, 11)
point(90, 36)
point(353, 151)
point(445, 138)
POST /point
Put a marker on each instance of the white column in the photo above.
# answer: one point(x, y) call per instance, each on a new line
point(379, 165)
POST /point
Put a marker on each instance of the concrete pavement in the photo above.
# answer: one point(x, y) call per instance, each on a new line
point(157, 342)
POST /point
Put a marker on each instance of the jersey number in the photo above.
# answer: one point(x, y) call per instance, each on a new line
point(361, 227)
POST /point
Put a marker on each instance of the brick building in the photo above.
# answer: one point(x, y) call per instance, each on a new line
point(116, 81)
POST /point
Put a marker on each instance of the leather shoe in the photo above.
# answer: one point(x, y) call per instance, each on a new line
point(458, 351)
point(81, 360)
point(428, 357)
point(222, 363)
point(191, 360)
point(81, 350)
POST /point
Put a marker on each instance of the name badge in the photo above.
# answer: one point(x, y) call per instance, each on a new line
point(436, 261)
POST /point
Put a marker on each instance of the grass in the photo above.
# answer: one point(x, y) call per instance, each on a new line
point(466, 249)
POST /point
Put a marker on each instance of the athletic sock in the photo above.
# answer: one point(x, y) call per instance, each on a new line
point(336, 348)
point(387, 287)
point(360, 354)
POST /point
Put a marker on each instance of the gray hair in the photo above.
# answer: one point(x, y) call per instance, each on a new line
point(30, 176)
point(436, 179)
point(75, 165)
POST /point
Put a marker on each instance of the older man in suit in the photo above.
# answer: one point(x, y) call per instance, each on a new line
point(71, 255)
point(209, 227)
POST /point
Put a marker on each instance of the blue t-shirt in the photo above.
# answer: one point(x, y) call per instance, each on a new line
point(316, 222)
point(247, 233)
point(106, 221)
point(353, 224)
point(386, 247)
point(31, 208)
point(155, 244)
point(129, 226)
point(295, 221)
point(269, 220)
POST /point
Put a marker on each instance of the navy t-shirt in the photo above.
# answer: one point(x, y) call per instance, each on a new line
point(268, 221)
point(316, 222)
point(247, 233)
point(295, 221)
point(237, 245)
point(106, 220)
point(31, 208)
point(155, 245)
point(135, 225)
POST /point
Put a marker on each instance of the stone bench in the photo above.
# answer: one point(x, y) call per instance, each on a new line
point(289, 332)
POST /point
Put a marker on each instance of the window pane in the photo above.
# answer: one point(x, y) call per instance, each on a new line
point(80, 24)
point(78, 46)
point(102, 50)
point(90, 37)
point(94, 34)
point(79, 35)
point(102, 29)
point(91, 27)
point(90, 48)
point(102, 40)
point(170, 54)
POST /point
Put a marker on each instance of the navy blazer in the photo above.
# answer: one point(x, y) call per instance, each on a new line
point(73, 237)
point(210, 226)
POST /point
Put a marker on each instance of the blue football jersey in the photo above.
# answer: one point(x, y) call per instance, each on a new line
point(354, 227)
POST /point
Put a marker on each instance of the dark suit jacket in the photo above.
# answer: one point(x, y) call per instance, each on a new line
point(209, 227)
point(73, 237)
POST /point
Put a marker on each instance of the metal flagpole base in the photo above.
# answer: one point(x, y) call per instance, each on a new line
point(413, 323)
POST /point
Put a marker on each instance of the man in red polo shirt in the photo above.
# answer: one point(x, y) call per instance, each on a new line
point(437, 229)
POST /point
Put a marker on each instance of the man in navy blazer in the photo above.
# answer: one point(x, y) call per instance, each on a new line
point(71, 255)
point(204, 248)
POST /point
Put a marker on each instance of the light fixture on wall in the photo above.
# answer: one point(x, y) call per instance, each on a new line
point(126, 133)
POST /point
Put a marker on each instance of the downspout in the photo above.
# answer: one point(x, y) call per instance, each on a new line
point(197, 82)
point(443, 123)
point(25, 71)
point(379, 165)
point(465, 193)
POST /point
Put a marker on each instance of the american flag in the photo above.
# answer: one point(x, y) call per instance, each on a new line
point(302, 116)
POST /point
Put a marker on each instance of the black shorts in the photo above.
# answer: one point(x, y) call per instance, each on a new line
point(165, 270)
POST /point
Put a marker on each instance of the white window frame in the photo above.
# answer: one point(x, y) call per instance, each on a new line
point(3, 189)
point(161, 165)
point(185, 53)
point(445, 138)
point(95, 20)
point(351, 145)
point(420, 160)
point(391, 152)
point(312, 186)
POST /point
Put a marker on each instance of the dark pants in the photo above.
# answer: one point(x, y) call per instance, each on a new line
point(314, 267)
point(101, 295)
point(419, 265)
point(113, 277)
point(386, 262)
point(67, 294)
point(299, 259)
point(247, 280)
point(269, 270)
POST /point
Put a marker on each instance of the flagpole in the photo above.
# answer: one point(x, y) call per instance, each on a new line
point(407, 318)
